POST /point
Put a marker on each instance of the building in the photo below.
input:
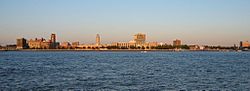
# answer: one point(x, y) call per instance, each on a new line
point(196, 47)
point(53, 43)
point(39, 44)
point(98, 40)
point(65, 45)
point(151, 44)
point(10, 47)
point(96, 45)
point(88, 46)
point(139, 42)
point(244, 44)
point(75, 44)
point(140, 38)
point(132, 45)
point(2, 47)
point(53, 38)
point(43, 44)
point(21, 43)
point(123, 45)
point(177, 42)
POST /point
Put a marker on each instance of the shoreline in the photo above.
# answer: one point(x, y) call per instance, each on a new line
point(122, 50)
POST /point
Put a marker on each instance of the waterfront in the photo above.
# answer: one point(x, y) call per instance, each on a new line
point(71, 70)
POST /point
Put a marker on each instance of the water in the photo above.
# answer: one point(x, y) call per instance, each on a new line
point(124, 71)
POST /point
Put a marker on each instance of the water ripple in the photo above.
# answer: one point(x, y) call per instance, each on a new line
point(112, 71)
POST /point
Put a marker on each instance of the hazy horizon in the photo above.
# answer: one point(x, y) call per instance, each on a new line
point(202, 22)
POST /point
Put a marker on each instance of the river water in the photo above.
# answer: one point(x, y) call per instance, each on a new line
point(107, 71)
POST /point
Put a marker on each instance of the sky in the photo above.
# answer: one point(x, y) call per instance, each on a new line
point(202, 22)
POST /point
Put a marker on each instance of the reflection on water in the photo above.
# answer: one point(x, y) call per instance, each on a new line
point(124, 71)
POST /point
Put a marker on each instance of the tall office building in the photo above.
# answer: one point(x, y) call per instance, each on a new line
point(140, 38)
point(98, 39)
point(21, 43)
point(176, 42)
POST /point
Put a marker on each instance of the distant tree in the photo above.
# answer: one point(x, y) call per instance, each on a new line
point(132, 47)
point(138, 47)
point(112, 47)
point(123, 48)
point(143, 47)
point(102, 47)
point(184, 47)
point(164, 47)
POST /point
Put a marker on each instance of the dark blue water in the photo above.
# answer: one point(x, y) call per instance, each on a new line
point(125, 71)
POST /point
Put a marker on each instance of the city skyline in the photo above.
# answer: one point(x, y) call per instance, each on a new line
point(139, 42)
point(207, 22)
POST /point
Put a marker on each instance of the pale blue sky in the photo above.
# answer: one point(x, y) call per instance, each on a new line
point(214, 22)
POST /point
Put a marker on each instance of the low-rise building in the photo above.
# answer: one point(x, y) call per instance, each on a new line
point(244, 44)
point(193, 47)
point(121, 45)
point(65, 45)
point(10, 47)
point(43, 44)
point(132, 45)
point(39, 44)
point(88, 46)
point(139, 42)
point(75, 44)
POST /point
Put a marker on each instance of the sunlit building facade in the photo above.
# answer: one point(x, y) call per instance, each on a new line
point(176, 42)
point(244, 44)
point(139, 42)
point(43, 44)
point(65, 45)
point(75, 44)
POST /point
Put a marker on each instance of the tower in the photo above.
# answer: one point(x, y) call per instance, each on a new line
point(53, 38)
point(98, 39)
point(21, 43)
point(53, 43)
point(140, 38)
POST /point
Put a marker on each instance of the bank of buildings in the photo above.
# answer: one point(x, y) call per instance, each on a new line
point(38, 43)
point(138, 42)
